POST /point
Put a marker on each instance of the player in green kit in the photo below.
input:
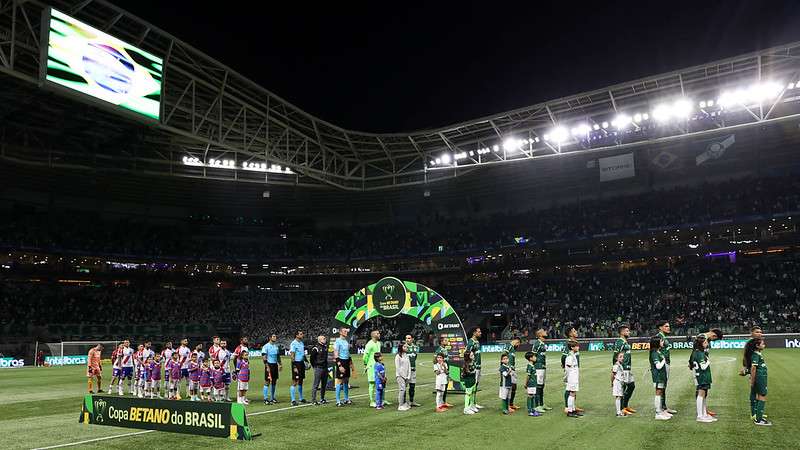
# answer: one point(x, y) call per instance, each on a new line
point(663, 330)
point(444, 349)
point(701, 366)
point(373, 346)
point(474, 347)
point(511, 351)
point(540, 348)
point(628, 383)
point(530, 384)
point(758, 377)
point(413, 350)
point(755, 332)
point(658, 369)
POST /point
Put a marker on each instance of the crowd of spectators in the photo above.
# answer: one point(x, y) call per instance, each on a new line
point(253, 240)
point(693, 296)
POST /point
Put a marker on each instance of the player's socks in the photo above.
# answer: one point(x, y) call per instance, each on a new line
point(272, 390)
point(372, 392)
point(505, 406)
point(752, 402)
point(265, 392)
point(664, 401)
point(291, 392)
point(300, 391)
point(700, 410)
point(657, 404)
point(411, 389)
point(346, 392)
point(529, 404)
point(571, 404)
point(759, 410)
point(338, 393)
point(618, 404)
point(566, 398)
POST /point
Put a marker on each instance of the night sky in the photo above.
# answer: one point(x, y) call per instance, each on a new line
point(369, 67)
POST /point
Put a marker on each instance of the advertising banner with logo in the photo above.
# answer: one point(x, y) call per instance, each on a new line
point(11, 363)
point(616, 167)
point(71, 360)
point(391, 297)
point(226, 420)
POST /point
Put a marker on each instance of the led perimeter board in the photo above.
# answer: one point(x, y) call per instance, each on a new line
point(87, 60)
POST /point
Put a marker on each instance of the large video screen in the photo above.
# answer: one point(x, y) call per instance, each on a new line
point(87, 60)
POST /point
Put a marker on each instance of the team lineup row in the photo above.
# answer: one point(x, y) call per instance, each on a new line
point(209, 377)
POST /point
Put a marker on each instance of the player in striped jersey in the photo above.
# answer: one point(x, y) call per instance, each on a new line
point(184, 352)
point(166, 355)
point(116, 368)
point(137, 370)
point(126, 362)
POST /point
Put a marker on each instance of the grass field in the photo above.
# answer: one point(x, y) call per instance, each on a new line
point(40, 408)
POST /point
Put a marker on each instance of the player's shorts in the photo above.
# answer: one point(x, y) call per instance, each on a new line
point(226, 378)
point(760, 387)
point(345, 364)
point(504, 393)
point(627, 376)
point(243, 385)
point(371, 374)
point(573, 387)
point(116, 372)
point(166, 375)
point(413, 379)
point(193, 384)
point(513, 377)
point(184, 373)
point(701, 387)
point(441, 387)
point(94, 371)
point(663, 385)
point(531, 390)
point(155, 381)
point(540, 376)
point(127, 372)
point(271, 370)
point(616, 388)
point(298, 370)
point(205, 389)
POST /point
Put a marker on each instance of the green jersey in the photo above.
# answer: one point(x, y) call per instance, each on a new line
point(531, 371)
point(701, 367)
point(667, 346)
point(622, 346)
point(659, 374)
point(468, 374)
point(443, 350)
point(475, 347)
point(370, 349)
point(761, 368)
point(540, 348)
point(413, 350)
point(505, 375)
point(511, 351)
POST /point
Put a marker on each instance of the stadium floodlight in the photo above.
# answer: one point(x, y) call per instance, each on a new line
point(438, 160)
point(536, 139)
point(621, 121)
point(581, 130)
point(703, 104)
point(511, 144)
point(661, 113)
point(446, 158)
point(496, 148)
point(645, 116)
point(596, 127)
point(637, 117)
point(682, 108)
point(605, 125)
point(559, 135)
point(710, 103)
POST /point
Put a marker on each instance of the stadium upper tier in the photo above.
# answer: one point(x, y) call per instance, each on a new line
point(214, 123)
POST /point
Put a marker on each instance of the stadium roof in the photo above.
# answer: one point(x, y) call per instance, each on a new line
point(216, 124)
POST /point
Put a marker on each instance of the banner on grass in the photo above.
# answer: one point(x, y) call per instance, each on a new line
point(226, 420)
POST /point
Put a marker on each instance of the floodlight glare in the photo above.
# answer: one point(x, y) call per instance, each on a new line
point(596, 127)
point(621, 121)
point(496, 148)
point(559, 135)
point(661, 113)
point(605, 125)
point(637, 118)
point(703, 104)
point(681, 109)
point(446, 158)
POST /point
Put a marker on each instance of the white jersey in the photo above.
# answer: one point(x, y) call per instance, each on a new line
point(116, 360)
point(166, 354)
point(183, 356)
point(618, 372)
point(127, 357)
point(147, 353)
point(441, 374)
point(572, 371)
point(212, 352)
point(224, 358)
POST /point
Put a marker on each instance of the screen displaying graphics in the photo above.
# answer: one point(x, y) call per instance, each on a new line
point(90, 61)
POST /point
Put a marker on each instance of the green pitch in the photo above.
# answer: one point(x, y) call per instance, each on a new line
point(40, 408)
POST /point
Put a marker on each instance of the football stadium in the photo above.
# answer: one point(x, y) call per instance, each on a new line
point(189, 259)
